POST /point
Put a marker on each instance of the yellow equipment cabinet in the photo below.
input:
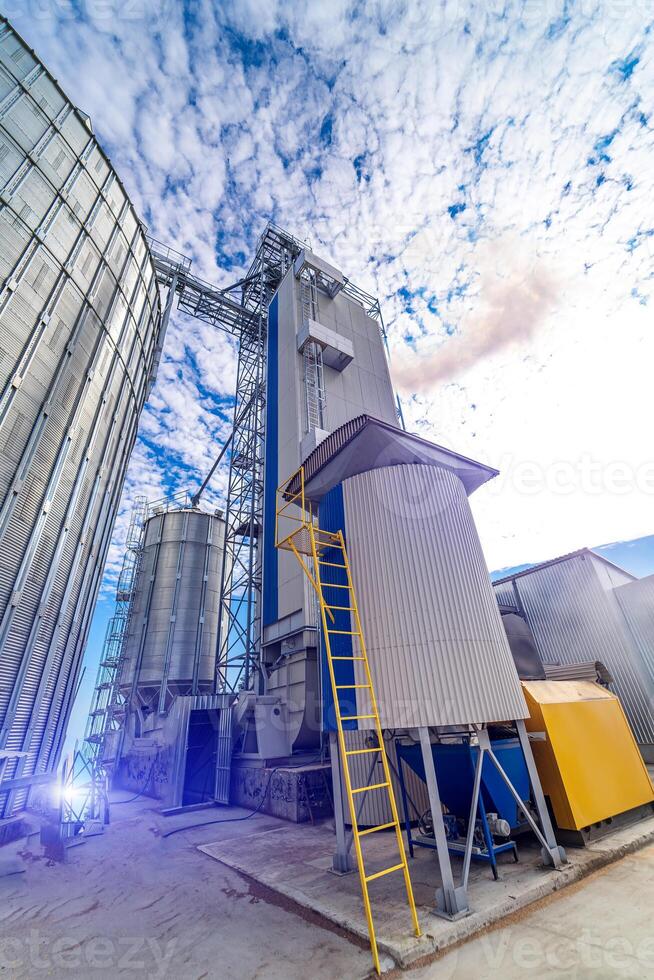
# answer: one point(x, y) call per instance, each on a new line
point(589, 764)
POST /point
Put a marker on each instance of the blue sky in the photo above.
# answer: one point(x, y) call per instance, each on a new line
point(486, 169)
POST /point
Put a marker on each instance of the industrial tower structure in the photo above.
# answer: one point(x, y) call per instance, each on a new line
point(241, 309)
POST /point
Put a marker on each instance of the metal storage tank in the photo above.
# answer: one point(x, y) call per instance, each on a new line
point(80, 328)
point(438, 651)
point(170, 648)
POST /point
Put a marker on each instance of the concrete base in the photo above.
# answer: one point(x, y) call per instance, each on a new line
point(295, 862)
point(297, 794)
point(606, 828)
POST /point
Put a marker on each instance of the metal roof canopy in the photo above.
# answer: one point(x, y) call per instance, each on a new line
point(366, 443)
point(581, 552)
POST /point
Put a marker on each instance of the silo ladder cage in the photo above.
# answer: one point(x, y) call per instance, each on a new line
point(328, 568)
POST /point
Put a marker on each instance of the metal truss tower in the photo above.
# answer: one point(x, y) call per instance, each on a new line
point(107, 706)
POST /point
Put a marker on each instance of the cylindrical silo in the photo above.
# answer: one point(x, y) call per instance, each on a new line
point(80, 325)
point(437, 649)
point(170, 648)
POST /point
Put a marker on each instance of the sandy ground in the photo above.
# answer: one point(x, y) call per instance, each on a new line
point(134, 904)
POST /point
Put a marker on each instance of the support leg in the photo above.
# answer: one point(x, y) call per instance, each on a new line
point(451, 902)
point(553, 854)
point(488, 838)
point(342, 861)
point(474, 805)
point(405, 803)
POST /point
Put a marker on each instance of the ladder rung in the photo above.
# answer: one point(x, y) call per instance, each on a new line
point(386, 871)
point(332, 585)
point(348, 658)
point(345, 632)
point(343, 608)
point(349, 687)
point(331, 543)
point(373, 830)
point(362, 751)
point(332, 564)
point(356, 717)
point(364, 789)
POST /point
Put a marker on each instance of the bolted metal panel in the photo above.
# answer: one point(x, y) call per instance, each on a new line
point(574, 615)
point(437, 648)
point(79, 323)
point(172, 637)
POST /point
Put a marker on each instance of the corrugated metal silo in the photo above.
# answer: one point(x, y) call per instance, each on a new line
point(170, 648)
point(80, 325)
point(438, 651)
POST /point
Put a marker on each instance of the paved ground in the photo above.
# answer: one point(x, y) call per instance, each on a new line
point(602, 927)
point(295, 863)
point(135, 904)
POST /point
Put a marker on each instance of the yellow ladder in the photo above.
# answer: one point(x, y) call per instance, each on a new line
point(307, 538)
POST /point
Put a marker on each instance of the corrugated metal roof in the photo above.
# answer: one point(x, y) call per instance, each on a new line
point(555, 561)
point(365, 443)
point(585, 670)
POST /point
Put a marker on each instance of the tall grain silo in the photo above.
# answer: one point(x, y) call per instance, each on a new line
point(80, 334)
point(170, 647)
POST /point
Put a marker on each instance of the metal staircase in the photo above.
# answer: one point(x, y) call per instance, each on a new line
point(342, 635)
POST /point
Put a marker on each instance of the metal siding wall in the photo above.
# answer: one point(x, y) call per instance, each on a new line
point(438, 651)
point(376, 809)
point(636, 600)
point(79, 318)
point(364, 385)
point(167, 610)
point(332, 518)
point(504, 594)
point(574, 616)
point(271, 476)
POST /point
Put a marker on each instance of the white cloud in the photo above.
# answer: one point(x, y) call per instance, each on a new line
point(530, 122)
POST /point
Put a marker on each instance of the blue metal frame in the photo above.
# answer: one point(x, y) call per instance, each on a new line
point(492, 849)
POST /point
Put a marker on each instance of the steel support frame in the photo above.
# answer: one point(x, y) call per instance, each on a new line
point(239, 628)
point(238, 632)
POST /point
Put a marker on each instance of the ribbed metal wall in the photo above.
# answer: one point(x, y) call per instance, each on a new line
point(174, 620)
point(375, 808)
point(438, 651)
point(505, 595)
point(574, 615)
point(636, 600)
point(79, 326)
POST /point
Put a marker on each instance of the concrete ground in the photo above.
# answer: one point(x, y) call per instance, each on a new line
point(296, 863)
point(599, 928)
point(133, 903)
